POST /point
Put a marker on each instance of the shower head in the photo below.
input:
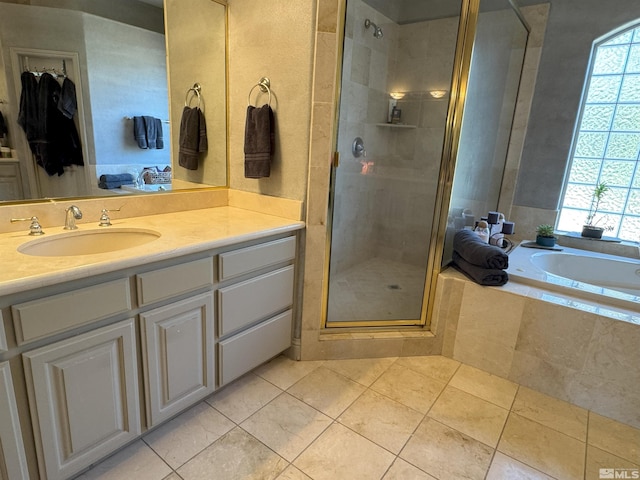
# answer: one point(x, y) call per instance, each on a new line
point(377, 31)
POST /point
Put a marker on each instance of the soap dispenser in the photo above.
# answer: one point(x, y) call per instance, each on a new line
point(482, 230)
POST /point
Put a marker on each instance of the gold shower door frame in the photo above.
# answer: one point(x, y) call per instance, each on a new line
point(462, 63)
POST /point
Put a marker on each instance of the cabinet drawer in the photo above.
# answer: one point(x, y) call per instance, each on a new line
point(171, 281)
point(246, 302)
point(245, 351)
point(250, 259)
point(45, 316)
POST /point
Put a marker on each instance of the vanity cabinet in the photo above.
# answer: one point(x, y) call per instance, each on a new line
point(110, 356)
point(13, 463)
point(178, 356)
point(84, 397)
point(254, 313)
point(10, 180)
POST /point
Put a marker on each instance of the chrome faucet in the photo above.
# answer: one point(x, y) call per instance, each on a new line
point(73, 214)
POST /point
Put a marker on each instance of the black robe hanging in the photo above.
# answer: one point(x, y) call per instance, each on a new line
point(52, 136)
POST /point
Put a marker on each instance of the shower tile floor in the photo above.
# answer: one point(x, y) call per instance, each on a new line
point(404, 418)
point(377, 289)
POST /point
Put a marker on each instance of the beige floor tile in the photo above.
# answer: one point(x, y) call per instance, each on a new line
point(235, 456)
point(470, 415)
point(327, 391)
point(614, 437)
point(408, 387)
point(401, 470)
point(543, 448)
point(381, 420)
point(446, 453)
point(284, 372)
point(507, 468)
point(598, 459)
point(364, 371)
point(243, 397)
point(434, 366)
point(135, 461)
point(287, 425)
point(188, 434)
point(340, 453)
point(292, 473)
point(482, 384)
point(172, 476)
point(551, 412)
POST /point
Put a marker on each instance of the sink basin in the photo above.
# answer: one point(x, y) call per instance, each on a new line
point(88, 243)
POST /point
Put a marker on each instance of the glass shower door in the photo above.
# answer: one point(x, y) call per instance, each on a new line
point(396, 76)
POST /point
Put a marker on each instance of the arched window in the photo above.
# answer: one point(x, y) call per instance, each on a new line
point(606, 143)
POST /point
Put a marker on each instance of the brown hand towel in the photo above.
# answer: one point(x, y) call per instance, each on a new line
point(259, 141)
point(193, 137)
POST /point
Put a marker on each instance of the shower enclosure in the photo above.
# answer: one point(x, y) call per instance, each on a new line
point(409, 67)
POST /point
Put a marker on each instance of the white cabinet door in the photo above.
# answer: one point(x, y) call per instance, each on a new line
point(84, 399)
point(14, 466)
point(178, 356)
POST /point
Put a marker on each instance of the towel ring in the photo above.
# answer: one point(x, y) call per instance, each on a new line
point(264, 85)
point(196, 91)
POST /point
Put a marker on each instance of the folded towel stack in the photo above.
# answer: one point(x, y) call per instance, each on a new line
point(147, 132)
point(483, 263)
point(115, 180)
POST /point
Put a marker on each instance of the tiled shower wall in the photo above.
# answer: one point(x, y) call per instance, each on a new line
point(383, 200)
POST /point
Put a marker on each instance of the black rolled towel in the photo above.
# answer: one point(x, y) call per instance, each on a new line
point(123, 178)
point(472, 249)
point(490, 277)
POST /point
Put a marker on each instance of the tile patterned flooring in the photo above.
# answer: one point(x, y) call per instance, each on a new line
point(376, 289)
point(390, 418)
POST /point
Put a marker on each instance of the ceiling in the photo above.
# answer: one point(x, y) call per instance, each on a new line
point(409, 11)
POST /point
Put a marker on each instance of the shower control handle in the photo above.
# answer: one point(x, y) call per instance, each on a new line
point(357, 148)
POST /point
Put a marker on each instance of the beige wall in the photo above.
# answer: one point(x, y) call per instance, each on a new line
point(274, 40)
point(196, 51)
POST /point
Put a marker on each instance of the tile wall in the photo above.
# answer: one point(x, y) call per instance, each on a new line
point(587, 359)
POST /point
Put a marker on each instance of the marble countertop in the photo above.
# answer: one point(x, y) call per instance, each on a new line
point(181, 233)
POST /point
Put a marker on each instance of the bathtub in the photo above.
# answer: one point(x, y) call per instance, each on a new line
point(605, 279)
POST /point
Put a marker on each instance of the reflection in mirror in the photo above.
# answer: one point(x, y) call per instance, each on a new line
point(114, 53)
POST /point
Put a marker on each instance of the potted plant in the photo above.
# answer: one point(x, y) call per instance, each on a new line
point(544, 236)
point(591, 229)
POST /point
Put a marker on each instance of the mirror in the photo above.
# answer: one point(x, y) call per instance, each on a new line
point(123, 66)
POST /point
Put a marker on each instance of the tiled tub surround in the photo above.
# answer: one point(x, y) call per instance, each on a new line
point(572, 349)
